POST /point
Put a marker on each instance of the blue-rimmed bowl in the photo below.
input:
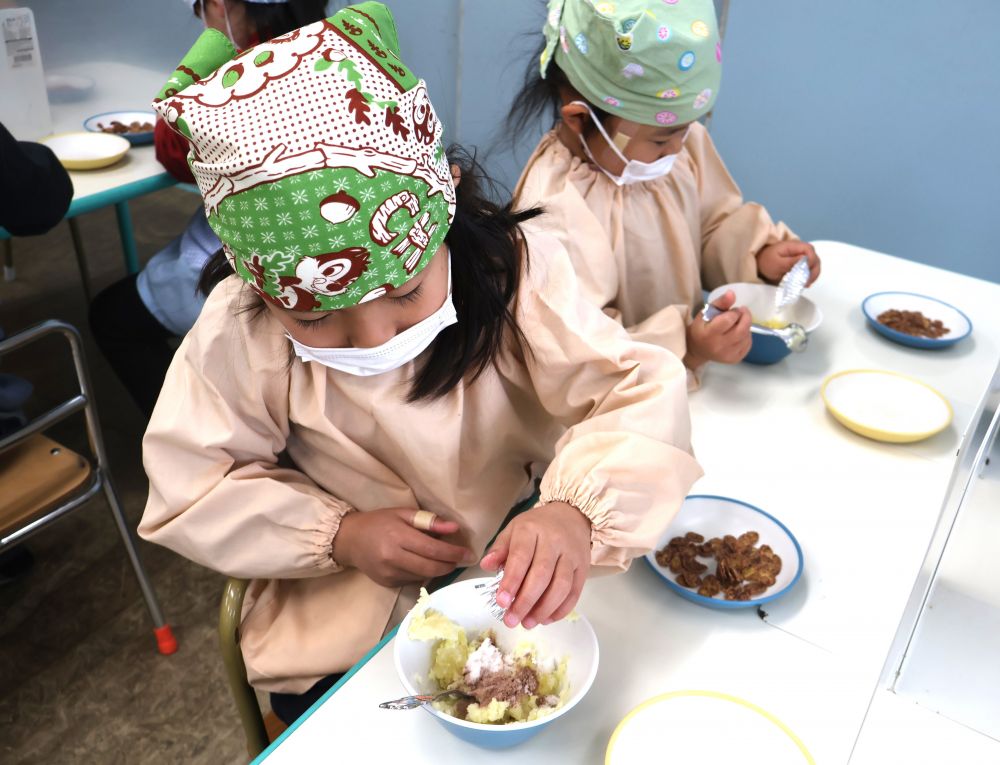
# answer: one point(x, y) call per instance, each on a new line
point(932, 308)
point(92, 124)
point(713, 516)
point(759, 298)
point(570, 638)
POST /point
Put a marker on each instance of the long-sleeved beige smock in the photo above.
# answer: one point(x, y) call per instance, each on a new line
point(606, 414)
point(644, 252)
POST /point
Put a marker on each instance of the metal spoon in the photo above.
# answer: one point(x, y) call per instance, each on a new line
point(412, 702)
point(794, 335)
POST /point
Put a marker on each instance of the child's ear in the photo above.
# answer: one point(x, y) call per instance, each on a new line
point(575, 117)
point(456, 175)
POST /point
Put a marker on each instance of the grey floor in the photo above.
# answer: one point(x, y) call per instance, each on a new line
point(80, 678)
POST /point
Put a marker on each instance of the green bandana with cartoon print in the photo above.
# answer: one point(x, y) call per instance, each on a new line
point(655, 63)
point(319, 158)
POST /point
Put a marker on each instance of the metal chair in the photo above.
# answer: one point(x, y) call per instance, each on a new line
point(41, 481)
point(236, 671)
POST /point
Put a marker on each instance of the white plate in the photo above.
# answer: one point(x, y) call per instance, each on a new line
point(703, 727)
point(713, 516)
point(87, 151)
point(886, 406)
point(958, 323)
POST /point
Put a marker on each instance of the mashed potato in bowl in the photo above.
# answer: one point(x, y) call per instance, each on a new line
point(517, 685)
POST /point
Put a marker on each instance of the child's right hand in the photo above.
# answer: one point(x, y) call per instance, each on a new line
point(390, 551)
point(725, 339)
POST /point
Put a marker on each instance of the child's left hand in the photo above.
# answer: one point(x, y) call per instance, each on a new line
point(545, 553)
point(774, 260)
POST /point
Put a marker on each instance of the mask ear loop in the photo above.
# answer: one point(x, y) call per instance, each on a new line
point(604, 132)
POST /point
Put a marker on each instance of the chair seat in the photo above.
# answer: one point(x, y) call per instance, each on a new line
point(35, 476)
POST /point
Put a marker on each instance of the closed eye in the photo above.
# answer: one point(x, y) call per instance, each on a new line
point(311, 324)
point(409, 296)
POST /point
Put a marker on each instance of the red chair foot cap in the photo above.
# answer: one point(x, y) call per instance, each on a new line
point(166, 643)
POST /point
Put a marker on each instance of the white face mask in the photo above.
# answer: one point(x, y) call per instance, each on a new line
point(635, 171)
point(393, 354)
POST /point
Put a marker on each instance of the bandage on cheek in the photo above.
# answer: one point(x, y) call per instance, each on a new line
point(621, 141)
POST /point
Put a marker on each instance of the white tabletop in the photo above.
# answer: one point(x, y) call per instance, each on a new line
point(863, 512)
point(117, 87)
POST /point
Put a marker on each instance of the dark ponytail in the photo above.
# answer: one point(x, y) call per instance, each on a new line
point(271, 20)
point(489, 255)
point(540, 100)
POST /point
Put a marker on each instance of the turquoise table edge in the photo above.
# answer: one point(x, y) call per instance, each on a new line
point(322, 699)
point(118, 197)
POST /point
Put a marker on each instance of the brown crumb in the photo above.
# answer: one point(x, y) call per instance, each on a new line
point(912, 323)
point(742, 571)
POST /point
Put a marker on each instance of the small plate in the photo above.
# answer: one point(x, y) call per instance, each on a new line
point(87, 151)
point(91, 124)
point(713, 516)
point(932, 308)
point(704, 726)
point(886, 406)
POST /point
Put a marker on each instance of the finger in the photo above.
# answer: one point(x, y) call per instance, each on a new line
point(725, 301)
point(724, 321)
point(561, 612)
point(426, 546)
point(536, 581)
point(497, 554)
point(441, 526)
point(420, 568)
point(741, 324)
point(554, 595)
point(519, 556)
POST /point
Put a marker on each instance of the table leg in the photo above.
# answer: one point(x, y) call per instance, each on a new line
point(128, 238)
point(9, 273)
point(81, 258)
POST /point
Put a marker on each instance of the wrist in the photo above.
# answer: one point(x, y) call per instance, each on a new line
point(340, 545)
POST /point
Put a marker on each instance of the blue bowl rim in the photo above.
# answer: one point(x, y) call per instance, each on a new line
point(693, 596)
point(912, 340)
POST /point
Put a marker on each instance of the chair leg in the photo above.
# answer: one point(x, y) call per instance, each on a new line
point(230, 610)
point(9, 272)
point(166, 643)
point(81, 257)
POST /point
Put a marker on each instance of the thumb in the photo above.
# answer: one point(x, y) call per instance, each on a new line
point(725, 301)
point(497, 554)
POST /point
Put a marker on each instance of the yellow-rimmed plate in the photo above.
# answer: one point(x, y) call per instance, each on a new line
point(886, 406)
point(685, 727)
point(87, 151)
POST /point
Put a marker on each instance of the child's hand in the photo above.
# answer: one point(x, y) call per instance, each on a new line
point(385, 545)
point(545, 553)
point(726, 338)
point(774, 260)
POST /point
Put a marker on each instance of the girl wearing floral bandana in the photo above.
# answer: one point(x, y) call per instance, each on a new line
point(631, 181)
point(358, 407)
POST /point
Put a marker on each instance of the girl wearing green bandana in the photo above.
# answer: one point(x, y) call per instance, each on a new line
point(630, 180)
point(387, 362)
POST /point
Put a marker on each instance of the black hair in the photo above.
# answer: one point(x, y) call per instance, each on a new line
point(490, 256)
point(540, 99)
point(274, 19)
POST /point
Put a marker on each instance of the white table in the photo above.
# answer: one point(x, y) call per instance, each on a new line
point(118, 87)
point(863, 512)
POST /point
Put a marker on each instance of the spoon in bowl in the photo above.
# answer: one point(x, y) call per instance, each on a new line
point(412, 702)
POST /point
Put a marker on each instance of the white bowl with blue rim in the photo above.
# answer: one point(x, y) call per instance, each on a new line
point(713, 516)
point(571, 638)
point(93, 124)
point(958, 324)
point(759, 298)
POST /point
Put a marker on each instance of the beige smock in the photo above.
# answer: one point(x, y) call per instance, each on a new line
point(607, 415)
point(644, 252)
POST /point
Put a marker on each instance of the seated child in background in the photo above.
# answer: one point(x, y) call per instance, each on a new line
point(631, 182)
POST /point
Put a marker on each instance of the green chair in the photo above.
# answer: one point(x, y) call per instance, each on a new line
point(236, 671)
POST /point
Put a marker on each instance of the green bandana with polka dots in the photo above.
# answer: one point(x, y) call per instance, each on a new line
point(655, 63)
point(319, 158)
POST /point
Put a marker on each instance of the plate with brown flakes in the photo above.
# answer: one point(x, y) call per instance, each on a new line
point(724, 553)
point(918, 321)
point(136, 127)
